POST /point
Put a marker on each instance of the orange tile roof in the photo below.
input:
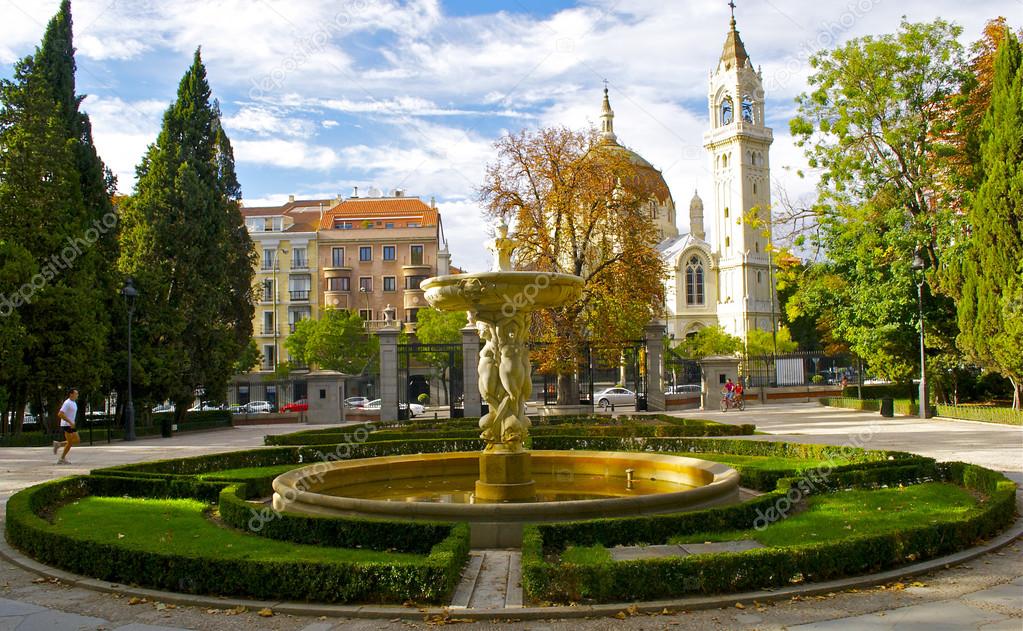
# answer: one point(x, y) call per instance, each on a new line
point(297, 206)
point(380, 207)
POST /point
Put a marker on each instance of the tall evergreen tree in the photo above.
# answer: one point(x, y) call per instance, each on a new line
point(54, 198)
point(990, 306)
point(184, 240)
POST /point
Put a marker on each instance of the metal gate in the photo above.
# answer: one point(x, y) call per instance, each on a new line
point(424, 367)
point(597, 367)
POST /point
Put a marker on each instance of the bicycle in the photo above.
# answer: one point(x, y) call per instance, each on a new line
point(738, 402)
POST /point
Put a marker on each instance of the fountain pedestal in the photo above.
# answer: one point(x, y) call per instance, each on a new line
point(505, 476)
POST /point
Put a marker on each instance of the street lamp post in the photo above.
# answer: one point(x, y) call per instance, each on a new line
point(919, 265)
point(130, 294)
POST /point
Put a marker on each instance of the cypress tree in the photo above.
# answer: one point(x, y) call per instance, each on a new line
point(990, 309)
point(184, 239)
point(55, 200)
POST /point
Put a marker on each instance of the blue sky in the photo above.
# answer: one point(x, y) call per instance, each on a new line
point(320, 96)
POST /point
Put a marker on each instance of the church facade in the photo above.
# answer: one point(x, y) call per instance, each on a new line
point(724, 278)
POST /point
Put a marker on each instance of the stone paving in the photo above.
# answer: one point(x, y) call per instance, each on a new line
point(984, 594)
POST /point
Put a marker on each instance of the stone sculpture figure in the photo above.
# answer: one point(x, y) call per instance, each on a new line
point(502, 247)
point(489, 383)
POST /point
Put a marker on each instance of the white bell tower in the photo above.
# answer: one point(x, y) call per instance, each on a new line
point(738, 143)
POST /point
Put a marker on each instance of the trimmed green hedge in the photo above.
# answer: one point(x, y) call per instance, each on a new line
point(371, 534)
point(651, 579)
point(430, 580)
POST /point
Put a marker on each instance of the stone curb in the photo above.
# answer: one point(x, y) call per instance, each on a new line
point(1014, 532)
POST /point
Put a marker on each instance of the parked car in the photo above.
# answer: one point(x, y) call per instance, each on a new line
point(356, 402)
point(259, 407)
point(415, 408)
point(206, 407)
point(614, 396)
point(302, 405)
point(163, 407)
point(235, 408)
point(691, 388)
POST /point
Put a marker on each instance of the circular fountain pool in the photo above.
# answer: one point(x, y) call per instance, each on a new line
point(570, 485)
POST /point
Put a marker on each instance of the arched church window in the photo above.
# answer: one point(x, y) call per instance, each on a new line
point(754, 188)
point(726, 111)
point(694, 281)
point(747, 109)
point(724, 160)
point(726, 212)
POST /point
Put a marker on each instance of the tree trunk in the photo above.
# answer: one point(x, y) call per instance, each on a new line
point(568, 389)
point(1017, 393)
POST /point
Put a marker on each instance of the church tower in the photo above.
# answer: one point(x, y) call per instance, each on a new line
point(738, 143)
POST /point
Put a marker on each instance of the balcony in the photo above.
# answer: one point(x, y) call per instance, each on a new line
point(302, 265)
point(267, 330)
point(414, 299)
point(336, 272)
point(299, 295)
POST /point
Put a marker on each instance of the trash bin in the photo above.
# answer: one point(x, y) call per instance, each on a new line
point(641, 404)
point(887, 407)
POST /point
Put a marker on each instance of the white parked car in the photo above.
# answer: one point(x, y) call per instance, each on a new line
point(259, 407)
point(163, 407)
point(692, 388)
point(356, 402)
point(614, 396)
point(416, 409)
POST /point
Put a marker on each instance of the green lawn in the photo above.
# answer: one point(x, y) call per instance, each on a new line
point(251, 473)
point(182, 527)
point(853, 513)
point(834, 516)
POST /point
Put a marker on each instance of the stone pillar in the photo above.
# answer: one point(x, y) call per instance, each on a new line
point(470, 375)
point(714, 371)
point(653, 333)
point(326, 397)
point(388, 373)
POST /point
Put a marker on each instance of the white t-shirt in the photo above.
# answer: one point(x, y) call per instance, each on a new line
point(70, 410)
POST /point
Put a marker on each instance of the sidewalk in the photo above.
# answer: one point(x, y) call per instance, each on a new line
point(984, 594)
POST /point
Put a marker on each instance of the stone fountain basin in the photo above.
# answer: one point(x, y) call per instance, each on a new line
point(319, 489)
point(492, 291)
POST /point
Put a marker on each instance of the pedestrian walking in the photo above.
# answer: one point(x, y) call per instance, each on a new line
point(69, 432)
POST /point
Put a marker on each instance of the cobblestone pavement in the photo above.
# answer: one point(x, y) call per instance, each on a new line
point(986, 593)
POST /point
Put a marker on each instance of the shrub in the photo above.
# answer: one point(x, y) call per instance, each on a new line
point(428, 580)
point(760, 568)
point(340, 532)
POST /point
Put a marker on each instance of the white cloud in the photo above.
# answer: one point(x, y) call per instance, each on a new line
point(328, 124)
point(263, 121)
point(289, 154)
point(122, 131)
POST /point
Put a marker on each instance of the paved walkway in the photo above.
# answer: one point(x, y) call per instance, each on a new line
point(984, 594)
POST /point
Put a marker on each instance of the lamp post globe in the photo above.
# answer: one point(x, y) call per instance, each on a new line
point(130, 294)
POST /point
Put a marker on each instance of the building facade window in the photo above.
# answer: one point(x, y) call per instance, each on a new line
point(412, 282)
point(268, 322)
point(415, 254)
point(366, 314)
point(268, 289)
point(726, 111)
point(343, 283)
point(299, 287)
point(365, 253)
point(389, 252)
point(390, 283)
point(337, 257)
point(268, 258)
point(694, 282)
point(299, 259)
point(366, 284)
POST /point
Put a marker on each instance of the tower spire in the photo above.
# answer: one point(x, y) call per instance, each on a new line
point(734, 53)
point(607, 120)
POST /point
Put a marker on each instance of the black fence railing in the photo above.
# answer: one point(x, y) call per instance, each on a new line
point(267, 397)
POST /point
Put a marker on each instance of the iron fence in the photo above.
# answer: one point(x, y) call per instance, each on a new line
point(802, 368)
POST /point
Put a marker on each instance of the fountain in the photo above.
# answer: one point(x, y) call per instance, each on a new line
point(505, 486)
point(499, 303)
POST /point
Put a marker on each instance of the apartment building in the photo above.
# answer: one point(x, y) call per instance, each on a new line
point(360, 253)
point(374, 252)
point(286, 273)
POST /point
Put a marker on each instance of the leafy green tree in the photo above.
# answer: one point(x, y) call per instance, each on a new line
point(184, 240)
point(337, 341)
point(709, 341)
point(870, 125)
point(990, 304)
point(439, 327)
point(761, 342)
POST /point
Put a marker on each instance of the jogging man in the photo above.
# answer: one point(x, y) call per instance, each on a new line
point(67, 414)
